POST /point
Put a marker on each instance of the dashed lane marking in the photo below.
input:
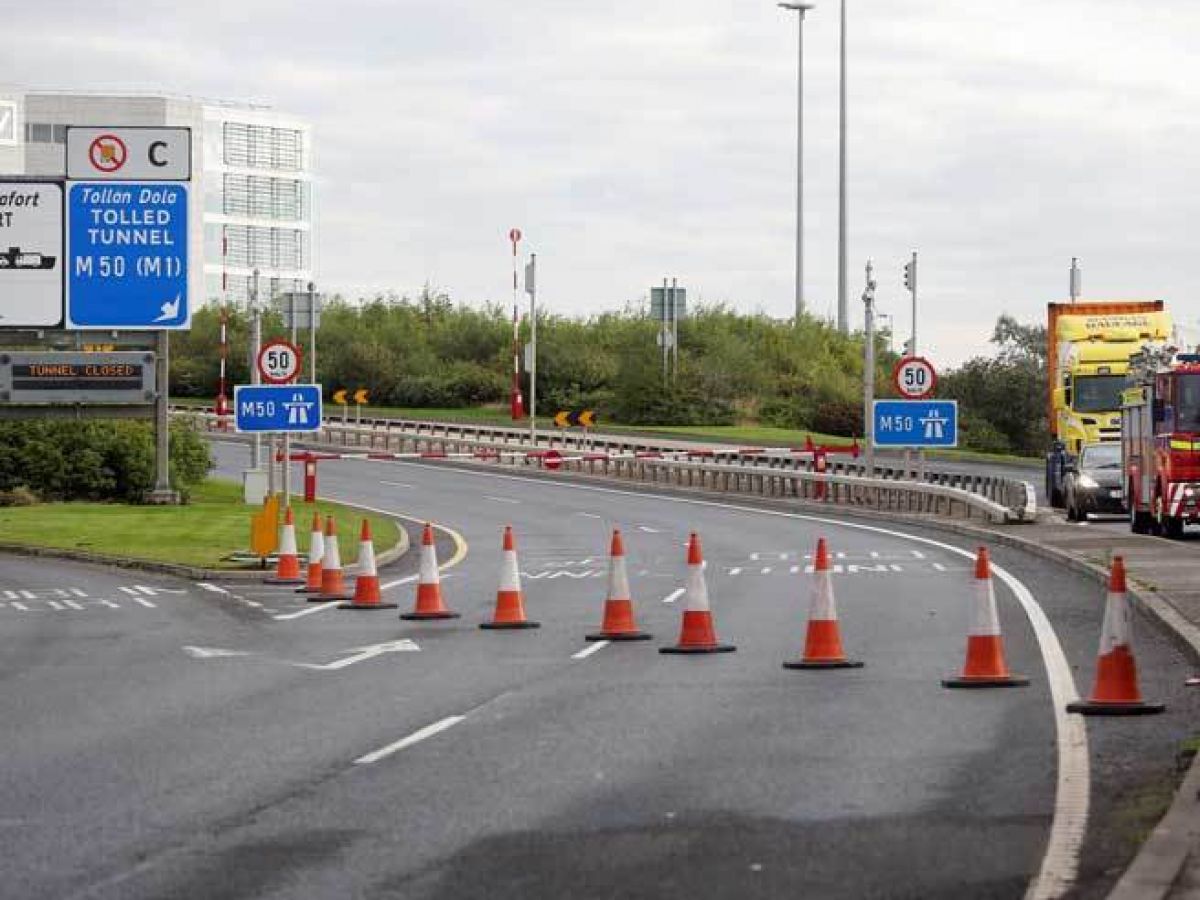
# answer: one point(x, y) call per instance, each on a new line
point(405, 742)
point(588, 651)
point(674, 595)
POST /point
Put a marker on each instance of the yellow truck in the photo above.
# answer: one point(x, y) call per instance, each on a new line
point(1088, 346)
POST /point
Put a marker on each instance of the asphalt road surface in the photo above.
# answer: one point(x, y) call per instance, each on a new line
point(168, 739)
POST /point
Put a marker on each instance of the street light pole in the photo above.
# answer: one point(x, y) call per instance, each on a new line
point(800, 9)
point(869, 369)
point(843, 299)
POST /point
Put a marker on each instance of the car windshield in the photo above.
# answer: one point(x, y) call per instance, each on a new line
point(1101, 456)
point(1187, 408)
point(1098, 393)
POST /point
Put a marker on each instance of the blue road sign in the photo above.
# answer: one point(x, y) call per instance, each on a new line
point(127, 255)
point(277, 407)
point(916, 423)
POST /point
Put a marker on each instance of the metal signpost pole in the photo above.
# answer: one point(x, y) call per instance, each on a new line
point(674, 329)
point(162, 492)
point(531, 289)
point(912, 287)
point(869, 370)
point(287, 436)
point(312, 333)
point(662, 330)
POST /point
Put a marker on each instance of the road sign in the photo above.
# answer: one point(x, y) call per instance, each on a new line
point(360, 396)
point(552, 460)
point(668, 303)
point(277, 407)
point(339, 396)
point(515, 237)
point(70, 378)
point(127, 256)
point(296, 309)
point(914, 377)
point(585, 418)
point(915, 423)
point(278, 362)
point(31, 253)
point(129, 153)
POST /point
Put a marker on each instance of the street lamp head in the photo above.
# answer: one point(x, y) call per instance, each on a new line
point(799, 7)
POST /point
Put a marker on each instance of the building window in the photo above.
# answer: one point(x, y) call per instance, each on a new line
point(248, 246)
point(39, 133)
point(260, 197)
point(59, 135)
point(263, 147)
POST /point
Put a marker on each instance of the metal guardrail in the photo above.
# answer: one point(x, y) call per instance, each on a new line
point(753, 473)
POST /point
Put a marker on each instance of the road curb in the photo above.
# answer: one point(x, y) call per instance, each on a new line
point(180, 570)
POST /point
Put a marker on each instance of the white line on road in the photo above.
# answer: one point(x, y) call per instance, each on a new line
point(146, 603)
point(589, 515)
point(1060, 864)
point(649, 530)
point(396, 484)
point(674, 595)
point(501, 499)
point(415, 738)
point(736, 570)
point(216, 589)
point(405, 580)
point(588, 651)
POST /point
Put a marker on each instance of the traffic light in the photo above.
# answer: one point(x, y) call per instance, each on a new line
point(910, 275)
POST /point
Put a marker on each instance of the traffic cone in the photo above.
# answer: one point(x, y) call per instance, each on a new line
point(618, 622)
point(316, 557)
point(985, 666)
point(823, 640)
point(366, 582)
point(429, 603)
point(510, 602)
point(697, 634)
point(1115, 692)
point(333, 584)
point(287, 567)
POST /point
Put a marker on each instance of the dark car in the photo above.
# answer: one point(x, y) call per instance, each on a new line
point(1093, 482)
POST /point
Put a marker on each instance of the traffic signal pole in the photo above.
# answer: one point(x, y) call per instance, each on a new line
point(869, 370)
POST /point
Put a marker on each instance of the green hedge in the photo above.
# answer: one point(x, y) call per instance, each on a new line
point(100, 460)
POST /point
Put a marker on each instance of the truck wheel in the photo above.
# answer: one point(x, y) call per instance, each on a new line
point(1172, 527)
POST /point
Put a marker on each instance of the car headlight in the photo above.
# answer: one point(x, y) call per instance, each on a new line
point(1189, 492)
point(1087, 481)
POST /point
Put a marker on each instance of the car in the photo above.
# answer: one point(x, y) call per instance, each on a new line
point(1093, 482)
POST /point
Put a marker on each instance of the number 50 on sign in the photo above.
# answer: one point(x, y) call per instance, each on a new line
point(278, 362)
point(914, 377)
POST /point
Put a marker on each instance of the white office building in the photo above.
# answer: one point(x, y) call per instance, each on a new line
point(252, 199)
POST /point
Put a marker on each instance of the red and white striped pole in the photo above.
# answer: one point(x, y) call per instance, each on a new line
point(516, 401)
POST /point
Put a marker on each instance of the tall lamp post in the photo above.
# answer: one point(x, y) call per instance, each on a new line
point(800, 9)
point(843, 298)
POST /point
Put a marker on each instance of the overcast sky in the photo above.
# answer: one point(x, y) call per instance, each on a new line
point(636, 139)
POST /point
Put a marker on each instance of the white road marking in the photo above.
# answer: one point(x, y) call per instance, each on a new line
point(794, 570)
point(211, 652)
point(71, 604)
point(501, 499)
point(400, 484)
point(146, 603)
point(588, 651)
point(403, 645)
point(308, 611)
point(674, 595)
point(29, 595)
point(766, 570)
point(415, 738)
point(939, 567)
point(405, 580)
point(20, 606)
point(736, 570)
point(589, 515)
point(78, 593)
point(216, 589)
point(649, 530)
point(1060, 864)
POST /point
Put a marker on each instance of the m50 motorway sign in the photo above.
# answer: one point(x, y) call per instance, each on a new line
point(277, 407)
point(915, 423)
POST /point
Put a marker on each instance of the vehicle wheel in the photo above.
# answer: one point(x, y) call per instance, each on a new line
point(1072, 511)
point(1172, 527)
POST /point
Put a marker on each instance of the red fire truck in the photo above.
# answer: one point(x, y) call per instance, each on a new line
point(1160, 442)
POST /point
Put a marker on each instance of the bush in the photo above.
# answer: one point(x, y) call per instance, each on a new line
point(840, 417)
point(18, 496)
point(98, 460)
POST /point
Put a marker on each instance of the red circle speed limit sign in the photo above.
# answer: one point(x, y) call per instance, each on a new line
point(278, 362)
point(914, 377)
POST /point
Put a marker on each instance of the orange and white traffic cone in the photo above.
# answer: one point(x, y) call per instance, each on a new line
point(429, 603)
point(697, 634)
point(1116, 691)
point(333, 583)
point(287, 567)
point(985, 666)
point(823, 639)
point(316, 560)
point(366, 582)
point(618, 622)
point(510, 601)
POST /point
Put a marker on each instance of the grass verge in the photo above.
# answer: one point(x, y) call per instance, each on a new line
point(215, 524)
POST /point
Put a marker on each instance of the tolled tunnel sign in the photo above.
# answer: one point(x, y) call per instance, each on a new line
point(129, 153)
point(71, 378)
point(127, 255)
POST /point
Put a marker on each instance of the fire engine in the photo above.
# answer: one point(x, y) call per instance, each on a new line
point(1160, 441)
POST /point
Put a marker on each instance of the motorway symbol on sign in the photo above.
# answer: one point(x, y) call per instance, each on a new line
point(277, 407)
point(914, 377)
point(915, 423)
point(360, 396)
point(31, 252)
point(278, 362)
point(565, 418)
point(129, 153)
point(127, 256)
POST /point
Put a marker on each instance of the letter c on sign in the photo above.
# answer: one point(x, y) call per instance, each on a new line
point(154, 153)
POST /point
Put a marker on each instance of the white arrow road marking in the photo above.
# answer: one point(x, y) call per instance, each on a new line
point(415, 738)
point(401, 646)
point(212, 652)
